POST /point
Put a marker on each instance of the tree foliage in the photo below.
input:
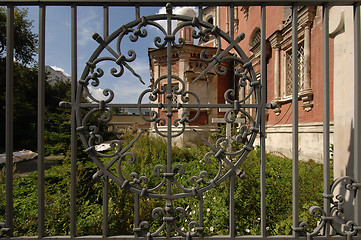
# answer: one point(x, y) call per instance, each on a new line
point(25, 41)
point(25, 106)
point(57, 122)
point(25, 81)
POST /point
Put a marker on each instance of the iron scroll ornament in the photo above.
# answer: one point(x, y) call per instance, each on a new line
point(244, 75)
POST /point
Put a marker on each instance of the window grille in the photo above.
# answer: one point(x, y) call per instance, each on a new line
point(300, 68)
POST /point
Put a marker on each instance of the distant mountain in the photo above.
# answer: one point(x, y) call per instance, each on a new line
point(55, 74)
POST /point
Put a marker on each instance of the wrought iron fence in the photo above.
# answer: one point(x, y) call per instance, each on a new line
point(168, 95)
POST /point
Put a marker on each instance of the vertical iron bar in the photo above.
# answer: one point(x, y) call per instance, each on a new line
point(200, 12)
point(41, 122)
point(105, 206)
point(231, 33)
point(295, 195)
point(73, 119)
point(263, 121)
point(231, 21)
point(106, 20)
point(201, 205)
point(105, 178)
point(326, 119)
point(231, 207)
point(357, 117)
point(137, 11)
point(231, 180)
point(9, 138)
point(169, 99)
point(200, 211)
point(169, 114)
point(136, 214)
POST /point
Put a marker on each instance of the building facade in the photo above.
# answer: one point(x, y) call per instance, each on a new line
point(186, 64)
point(279, 72)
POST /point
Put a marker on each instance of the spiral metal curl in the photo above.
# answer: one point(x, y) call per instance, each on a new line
point(157, 93)
point(348, 228)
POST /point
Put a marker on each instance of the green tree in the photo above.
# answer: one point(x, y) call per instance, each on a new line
point(25, 81)
point(25, 102)
point(25, 41)
point(57, 120)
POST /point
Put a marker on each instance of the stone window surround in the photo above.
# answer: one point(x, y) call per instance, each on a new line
point(281, 42)
point(285, 75)
point(254, 43)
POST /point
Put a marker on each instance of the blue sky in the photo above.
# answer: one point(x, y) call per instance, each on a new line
point(90, 20)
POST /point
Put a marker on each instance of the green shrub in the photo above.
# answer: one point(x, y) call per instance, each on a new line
point(151, 152)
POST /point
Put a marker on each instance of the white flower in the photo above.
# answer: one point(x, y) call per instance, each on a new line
point(192, 229)
point(182, 228)
point(248, 231)
point(211, 229)
point(193, 212)
point(214, 198)
point(267, 228)
point(259, 219)
point(208, 209)
point(186, 208)
point(204, 196)
point(185, 220)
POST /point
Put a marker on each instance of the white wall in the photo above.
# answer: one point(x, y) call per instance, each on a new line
point(310, 140)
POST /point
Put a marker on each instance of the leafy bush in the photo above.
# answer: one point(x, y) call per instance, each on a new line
point(151, 152)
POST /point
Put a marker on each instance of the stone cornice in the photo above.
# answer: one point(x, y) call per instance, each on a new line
point(306, 15)
point(190, 75)
point(187, 52)
point(275, 39)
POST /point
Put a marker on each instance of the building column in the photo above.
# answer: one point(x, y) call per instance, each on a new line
point(307, 58)
point(306, 93)
point(277, 74)
point(183, 67)
point(275, 41)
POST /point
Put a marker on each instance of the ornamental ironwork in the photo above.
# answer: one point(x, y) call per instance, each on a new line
point(173, 109)
point(227, 160)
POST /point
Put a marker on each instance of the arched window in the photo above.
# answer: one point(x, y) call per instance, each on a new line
point(210, 19)
point(255, 39)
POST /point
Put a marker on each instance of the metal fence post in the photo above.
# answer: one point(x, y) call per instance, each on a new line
point(74, 144)
point(295, 194)
point(41, 122)
point(263, 121)
point(357, 112)
point(326, 119)
point(9, 139)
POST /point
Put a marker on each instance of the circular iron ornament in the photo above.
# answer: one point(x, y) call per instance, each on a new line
point(219, 154)
point(134, 30)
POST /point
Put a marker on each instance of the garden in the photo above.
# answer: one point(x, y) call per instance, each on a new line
point(150, 152)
